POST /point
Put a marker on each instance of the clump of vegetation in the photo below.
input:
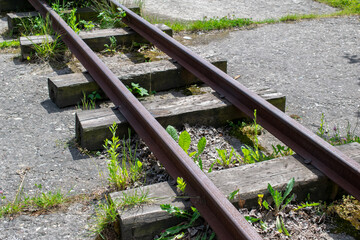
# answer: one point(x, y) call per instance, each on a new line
point(181, 184)
point(9, 44)
point(137, 90)
point(190, 220)
point(112, 47)
point(51, 47)
point(335, 138)
point(347, 6)
point(123, 173)
point(281, 201)
point(24, 203)
point(108, 17)
point(106, 211)
point(129, 170)
point(71, 3)
point(348, 209)
point(86, 25)
point(246, 132)
point(89, 102)
point(252, 154)
point(281, 151)
point(225, 159)
point(35, 26)
point(207, 24)
point(104, 217)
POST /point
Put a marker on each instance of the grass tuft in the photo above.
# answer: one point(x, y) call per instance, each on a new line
point(9, 44)
point(347, 7)
point(41, 201)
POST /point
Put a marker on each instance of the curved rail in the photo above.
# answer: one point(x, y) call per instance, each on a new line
point(222, 216)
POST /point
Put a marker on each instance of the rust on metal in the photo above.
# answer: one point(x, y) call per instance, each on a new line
point(332, 162)
point(222, 216)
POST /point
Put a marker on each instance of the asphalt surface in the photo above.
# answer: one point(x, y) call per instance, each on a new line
point(188, 10)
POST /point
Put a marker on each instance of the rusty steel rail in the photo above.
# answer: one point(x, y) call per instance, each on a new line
point(222, 216)
point(333, 163)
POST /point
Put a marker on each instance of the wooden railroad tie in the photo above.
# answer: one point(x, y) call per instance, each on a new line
point(92, 126)
point(95, 39)
point(68, 90)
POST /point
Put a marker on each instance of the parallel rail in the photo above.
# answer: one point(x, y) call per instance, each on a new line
point(212, 204)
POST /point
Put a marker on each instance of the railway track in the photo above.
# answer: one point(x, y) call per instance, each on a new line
point(212, 204)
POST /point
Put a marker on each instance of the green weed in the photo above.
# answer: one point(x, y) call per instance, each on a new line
point(322, 129)
point(52, 47)
point(184, 141)
point(280, 201)
point(108, 16)
point(181, 185)
point(335, 138)
point(105, 215)
point(112, 47)
point(248, 133)
point(9, 44)
point(106, 211)
point(72, 20)
point(177, 232)
point(206, 24)
point(46, 200)
point(71, 3)
point(281, 151)
point(225, 160)
point(252, 155)
point(35, 26)
point(130, 169)
point(41, 201)
point(134, 198)
point(254, 220)
point(137, 90)
point(346, 6)
point(233, 194)
point(306, 205)
point(296, 17)
point(87, 25)
point(89, 102)
point(111, 19)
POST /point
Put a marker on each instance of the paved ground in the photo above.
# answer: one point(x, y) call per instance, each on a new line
point(314, 63)
point(188, 10)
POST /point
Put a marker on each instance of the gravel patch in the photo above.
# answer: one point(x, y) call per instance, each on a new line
point(315, 64)
point(188, 10)
point(306, 223)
